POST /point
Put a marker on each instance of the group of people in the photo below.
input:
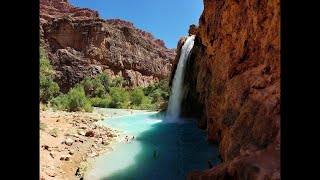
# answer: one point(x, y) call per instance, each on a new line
point(127, 139)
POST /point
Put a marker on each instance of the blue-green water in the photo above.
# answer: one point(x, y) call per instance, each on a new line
point(180, 148)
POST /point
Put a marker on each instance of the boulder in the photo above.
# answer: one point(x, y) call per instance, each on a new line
point(105, 142)
point(52, 154)
point(67, 157)
point(89, 134)
point(63, 157)
point(51, 173)
point(71, 151)
point(69, 141)
point(45, 147)
point(82, 133)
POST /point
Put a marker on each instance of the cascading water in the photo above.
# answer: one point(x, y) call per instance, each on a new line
point(175, 99)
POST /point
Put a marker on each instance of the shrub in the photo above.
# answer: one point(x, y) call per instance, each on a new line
point(101, 102)
point(87, 85)
point(60, 102)
point(137, 96)
point(147, 104)
point(104, 80)
point(77, 101)
point(99, 91)
point(43, 126)
point(149, 89)
point(54, 132)
point(45, 66)
point(119, 98)
point(156, 95)
point(117, 82)
point(48, 88)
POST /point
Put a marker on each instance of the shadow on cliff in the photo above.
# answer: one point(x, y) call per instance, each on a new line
point(176, 155)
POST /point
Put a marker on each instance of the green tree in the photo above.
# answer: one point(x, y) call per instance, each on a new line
point(119, 97)
point(48, 88)
point(105, 81)
point(117, 81)
point(137, 96)
point(99, 91)
point(87, 85)
point(77, 100)
point(45, 66)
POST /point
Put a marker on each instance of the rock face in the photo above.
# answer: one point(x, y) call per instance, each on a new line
point(79, 44)
point(233, 86)
point(192, 30)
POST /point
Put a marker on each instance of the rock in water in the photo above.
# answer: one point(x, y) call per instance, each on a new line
point(69, 141)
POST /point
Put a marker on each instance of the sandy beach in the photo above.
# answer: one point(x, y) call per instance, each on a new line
point(69, 139)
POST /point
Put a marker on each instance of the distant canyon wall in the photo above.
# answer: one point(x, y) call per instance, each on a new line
point(79, 43)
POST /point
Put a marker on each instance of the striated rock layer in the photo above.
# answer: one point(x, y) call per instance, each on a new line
point(80, 44)
point(232, 83)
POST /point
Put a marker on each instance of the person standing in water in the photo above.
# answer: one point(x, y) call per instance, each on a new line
point(154, 153)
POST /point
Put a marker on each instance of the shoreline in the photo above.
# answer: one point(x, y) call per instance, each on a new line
point(69, 140)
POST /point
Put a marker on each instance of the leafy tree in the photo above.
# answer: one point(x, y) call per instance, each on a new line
point(87, 85)
point(105, 81)
point(99, 91)
point(137, 96)
point(119, 97)
point(149, 89)
point(117, 82)
point(48, 88)
point(101, 102)
point(45, 66)
point(77, 100)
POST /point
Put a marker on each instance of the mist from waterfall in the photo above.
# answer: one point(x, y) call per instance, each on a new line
point(175, 100)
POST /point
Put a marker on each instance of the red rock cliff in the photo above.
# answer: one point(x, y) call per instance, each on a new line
point(233, 84)
point(80, 44)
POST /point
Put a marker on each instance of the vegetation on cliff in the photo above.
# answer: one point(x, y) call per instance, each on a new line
point(48, 88)
point(100, 91)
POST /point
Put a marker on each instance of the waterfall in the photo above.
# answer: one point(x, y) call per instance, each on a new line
point(175, 99)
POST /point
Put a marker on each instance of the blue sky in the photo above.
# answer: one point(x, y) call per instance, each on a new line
point(165, 19)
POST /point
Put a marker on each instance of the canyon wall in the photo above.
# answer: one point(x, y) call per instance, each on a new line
point(79, 43)
point(232, 84)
